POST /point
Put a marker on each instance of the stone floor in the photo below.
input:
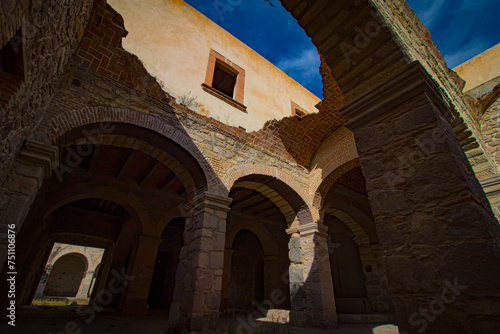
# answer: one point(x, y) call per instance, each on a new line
point(68, 319)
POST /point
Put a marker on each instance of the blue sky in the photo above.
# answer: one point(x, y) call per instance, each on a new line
point(460, 28)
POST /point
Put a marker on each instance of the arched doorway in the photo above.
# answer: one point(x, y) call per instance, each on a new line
point(247, 272)
point(349, 280)
point(161, 292)
point(66, 276)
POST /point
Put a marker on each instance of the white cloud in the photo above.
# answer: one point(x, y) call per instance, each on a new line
point(428, 16)
point(304, 66)
point(464, 54)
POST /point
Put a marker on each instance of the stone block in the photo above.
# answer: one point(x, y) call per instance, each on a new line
point(295, 255)
point(296, 274)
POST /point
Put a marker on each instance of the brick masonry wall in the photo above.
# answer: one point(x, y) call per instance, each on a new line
point(48, 44)
point(490, 127)
point(106, 77)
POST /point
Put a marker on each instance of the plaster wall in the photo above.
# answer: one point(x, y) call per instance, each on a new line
point(480, 69)
point(173, 40)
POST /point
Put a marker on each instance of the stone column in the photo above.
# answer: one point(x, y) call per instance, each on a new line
point(438, 233)
point(311, 287)
point(134, 301)
point(34, 163)
point(197, 295)
point(85, 285)
point(102, 275)
point(43, 282)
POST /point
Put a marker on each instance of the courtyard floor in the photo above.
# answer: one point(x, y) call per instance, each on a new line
point(68, 320)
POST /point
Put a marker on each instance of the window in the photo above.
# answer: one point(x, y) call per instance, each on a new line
point(11, 67)
point(298, 110)
point(225, 80)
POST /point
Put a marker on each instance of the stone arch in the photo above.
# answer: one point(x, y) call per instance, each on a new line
point(352, 209)
point(66, 275)
point(291, 203)
point(89, 263)
point(52, 128)
point(173, 213)
point(83, 257)
point(260, 231)
point(282, 204)
point(360, 236)
point(346, 36)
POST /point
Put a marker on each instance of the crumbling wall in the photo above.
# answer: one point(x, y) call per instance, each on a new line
point(51, 31)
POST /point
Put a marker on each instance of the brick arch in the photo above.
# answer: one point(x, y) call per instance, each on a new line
point(131, 203)
point(329, 181)
point(239, 171)
point(53, 128)
point(279, 187)
point(164, 157)
point(282, 204)
point(336, 150)
point(352, 36)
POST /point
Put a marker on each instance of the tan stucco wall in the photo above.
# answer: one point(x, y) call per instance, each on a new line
point(480, 69)
point(173, 40)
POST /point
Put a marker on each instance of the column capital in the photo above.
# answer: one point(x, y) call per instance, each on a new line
point(306, 229)
point(411, 82)
point(40, 155)
point(210, 201)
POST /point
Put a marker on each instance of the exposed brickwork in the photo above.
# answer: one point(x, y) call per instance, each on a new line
point(49, 42)
point(358, 63)
point(101, 51)
point(490, 126)
point(340, 145)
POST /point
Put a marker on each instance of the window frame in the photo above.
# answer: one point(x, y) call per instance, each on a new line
point(238, 93)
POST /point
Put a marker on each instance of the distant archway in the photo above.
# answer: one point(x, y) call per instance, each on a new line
point(66, 276)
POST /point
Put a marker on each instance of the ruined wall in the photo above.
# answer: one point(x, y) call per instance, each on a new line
point(51, 31)
point(174, 40)
point(490, 127)
point(416, 41)
point(112, 85)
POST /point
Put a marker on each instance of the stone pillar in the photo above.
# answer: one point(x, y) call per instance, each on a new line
point(85, 285)
point(438, 233)
point(102, 276)
point(43, 282)
point(134, 301)
point(311, 287)
point(197, 295)
point(34, 163)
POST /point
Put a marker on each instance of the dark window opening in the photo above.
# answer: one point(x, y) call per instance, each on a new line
point(11, 67)
point(299, 112)
point(224, 79)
